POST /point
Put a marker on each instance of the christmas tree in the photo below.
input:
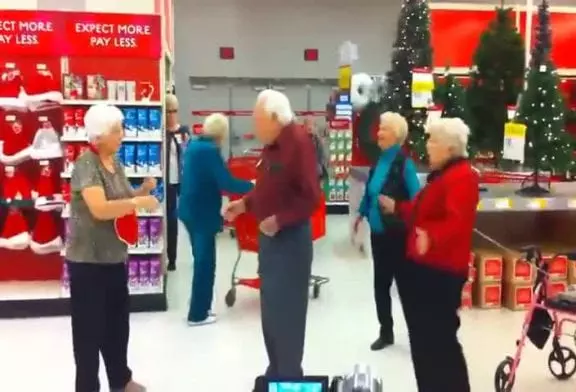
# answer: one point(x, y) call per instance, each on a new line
point(451, 95)
point(411, 50)
point(542, 108)
point(496, 80)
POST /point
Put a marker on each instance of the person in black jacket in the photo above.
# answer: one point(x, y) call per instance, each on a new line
point(393, 174)
point(177, 135)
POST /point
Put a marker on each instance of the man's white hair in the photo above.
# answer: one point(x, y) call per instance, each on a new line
point(277, 104)
point(452, 132)
point(100, 119)
point(216, 126)
point(397, 123)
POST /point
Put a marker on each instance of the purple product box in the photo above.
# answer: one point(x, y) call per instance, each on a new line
point(144, 272)
point(130, 157)
point(155, 271)
point(133, 271)
point(143, 233)
point(155, 232)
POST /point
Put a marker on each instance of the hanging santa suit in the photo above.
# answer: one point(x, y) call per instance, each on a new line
point(46, 234)
point(15, 142)
point(11, 87)
point(46, 143)
point(41, 90)
point(14, 234)
point(48, 198)
point(16, 185)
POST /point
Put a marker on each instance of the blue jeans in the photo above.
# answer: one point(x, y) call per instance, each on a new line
point(204, 254)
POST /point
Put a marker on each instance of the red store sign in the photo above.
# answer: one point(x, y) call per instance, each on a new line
point(40, 33)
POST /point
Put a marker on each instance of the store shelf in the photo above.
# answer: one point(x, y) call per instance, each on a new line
point(44, 299)
point(157, 174)
point(88, 102)
point(144, 214)
point(137, 139)
point(158, 250)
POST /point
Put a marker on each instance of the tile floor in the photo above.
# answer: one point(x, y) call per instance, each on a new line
point(168, 356)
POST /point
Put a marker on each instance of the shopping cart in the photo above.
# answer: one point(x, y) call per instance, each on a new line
point(246, 229)
point(547, 315)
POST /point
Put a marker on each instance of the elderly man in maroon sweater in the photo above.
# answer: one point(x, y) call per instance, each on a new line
point(283, 200)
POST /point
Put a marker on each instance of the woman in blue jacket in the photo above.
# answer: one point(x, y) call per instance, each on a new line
point(205, 178)
point(393, 174)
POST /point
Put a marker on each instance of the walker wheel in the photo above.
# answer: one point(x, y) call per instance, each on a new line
point(232, 234)
point(315, 291)
point(502, 381)
point(230, 298)
point(562, 362)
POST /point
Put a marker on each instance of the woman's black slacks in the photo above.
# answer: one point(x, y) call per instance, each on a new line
point(431, 300)
point(100, 309)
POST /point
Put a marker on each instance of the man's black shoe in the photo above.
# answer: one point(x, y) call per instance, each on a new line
point(382, 342)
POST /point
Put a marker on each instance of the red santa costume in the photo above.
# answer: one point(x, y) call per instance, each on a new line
point(16, 185)
point(48, 198)
point(11, 87)
point(46, 143)
point(41, 89)
point(14, 234)
point(46, 234)
point(15, 145)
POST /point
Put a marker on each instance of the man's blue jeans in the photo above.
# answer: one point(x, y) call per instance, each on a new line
point(204, 254)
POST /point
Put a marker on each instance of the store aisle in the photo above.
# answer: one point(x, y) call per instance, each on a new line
point(168, 356)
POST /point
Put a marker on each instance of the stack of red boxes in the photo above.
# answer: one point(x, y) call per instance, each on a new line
point(467, 290)
point(557, 273)
point(488, 285)
point(518, 279)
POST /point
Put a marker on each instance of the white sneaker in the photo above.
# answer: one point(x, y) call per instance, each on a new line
point(208, 320)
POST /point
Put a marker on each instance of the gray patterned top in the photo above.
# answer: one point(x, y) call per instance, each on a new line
point(92, 240)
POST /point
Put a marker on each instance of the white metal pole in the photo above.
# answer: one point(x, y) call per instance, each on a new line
point(528, 33)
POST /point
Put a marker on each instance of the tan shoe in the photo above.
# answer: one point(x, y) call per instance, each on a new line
point(134, 387)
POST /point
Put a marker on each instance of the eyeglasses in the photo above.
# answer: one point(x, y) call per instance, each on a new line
point(172, 111)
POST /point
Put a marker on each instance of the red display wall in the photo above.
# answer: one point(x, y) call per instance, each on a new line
point(113, 46)
point(455, 34)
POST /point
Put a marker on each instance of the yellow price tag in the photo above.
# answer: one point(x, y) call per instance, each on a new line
point(537, 204)
point(479, 206)
point(422, 86)
point(514, 130)
point(344, 77)
point(503, 204)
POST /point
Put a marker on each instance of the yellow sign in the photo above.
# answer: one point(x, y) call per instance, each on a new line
point(344, 77)
point(503, 204)
point(537, 204)
point(514, 130)
point(422, 86)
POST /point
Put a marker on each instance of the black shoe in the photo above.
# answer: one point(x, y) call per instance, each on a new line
point(260, 384)
point(171, 266)
point(382, 342)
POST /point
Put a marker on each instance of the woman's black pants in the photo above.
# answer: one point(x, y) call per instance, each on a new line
point(431, 299)
point(388, 254)
point(100, 310)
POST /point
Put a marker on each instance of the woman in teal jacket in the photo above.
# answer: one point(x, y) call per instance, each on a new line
point(393, 174)
point(205, 178)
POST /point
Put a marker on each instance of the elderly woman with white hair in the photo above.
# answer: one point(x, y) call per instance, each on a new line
point(441, 220)
point(205, 178)
point(102, 213)
point(394, 175)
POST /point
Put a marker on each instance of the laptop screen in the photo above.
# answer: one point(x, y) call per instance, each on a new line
point(296, 386)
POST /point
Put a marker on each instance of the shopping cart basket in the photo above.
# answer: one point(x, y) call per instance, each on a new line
point(246, 229)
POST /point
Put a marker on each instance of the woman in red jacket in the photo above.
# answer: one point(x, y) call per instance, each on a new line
point(440, 223)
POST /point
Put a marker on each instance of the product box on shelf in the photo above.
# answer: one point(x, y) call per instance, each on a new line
point(488, 266)
point(571, 272)
point(517, 296)
point(488, 295)
point(557, 264)
point(518, 270)
point(556, 287)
